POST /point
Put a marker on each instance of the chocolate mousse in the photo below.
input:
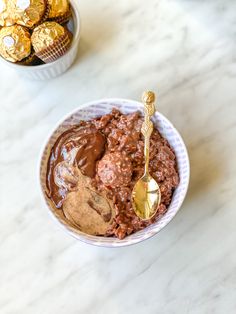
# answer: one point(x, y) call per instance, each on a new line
point(93, 167)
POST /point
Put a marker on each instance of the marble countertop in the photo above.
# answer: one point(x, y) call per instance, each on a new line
point(186, 52)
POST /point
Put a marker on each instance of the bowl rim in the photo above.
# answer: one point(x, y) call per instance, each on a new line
point(80, 237)
point(75, 40)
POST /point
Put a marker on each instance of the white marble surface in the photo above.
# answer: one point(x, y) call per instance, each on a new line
point(186, 51)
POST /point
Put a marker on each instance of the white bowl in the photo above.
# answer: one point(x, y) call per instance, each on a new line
point(56, 68)
point(98, 108)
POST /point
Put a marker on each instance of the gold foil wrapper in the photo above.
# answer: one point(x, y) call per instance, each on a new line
point(5, 13)
point(15, 43)
point(55, 51)
point(28, 12)
point(58, 8)
point(46, 35)
point(45, 15)
point(63, 19)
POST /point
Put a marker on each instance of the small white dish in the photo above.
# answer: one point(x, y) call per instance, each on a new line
point(99, 108)
point(56, 68)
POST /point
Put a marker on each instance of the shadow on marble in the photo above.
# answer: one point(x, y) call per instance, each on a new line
point(97, 31)
point(205, 171)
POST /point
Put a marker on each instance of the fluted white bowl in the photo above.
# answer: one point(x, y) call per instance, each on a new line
point(58, 67)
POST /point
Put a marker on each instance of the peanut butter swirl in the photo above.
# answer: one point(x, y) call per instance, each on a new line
point(79, 147)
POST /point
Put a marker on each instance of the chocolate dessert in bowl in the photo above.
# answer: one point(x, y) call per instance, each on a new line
point(93, 159)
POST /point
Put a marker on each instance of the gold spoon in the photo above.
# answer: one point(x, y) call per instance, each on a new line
point(146, 195)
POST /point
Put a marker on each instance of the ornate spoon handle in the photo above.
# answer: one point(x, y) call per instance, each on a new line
point(147, 127)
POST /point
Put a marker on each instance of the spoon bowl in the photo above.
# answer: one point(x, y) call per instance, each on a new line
point(146, 197)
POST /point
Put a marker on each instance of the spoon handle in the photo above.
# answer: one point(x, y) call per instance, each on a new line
point(147, 127)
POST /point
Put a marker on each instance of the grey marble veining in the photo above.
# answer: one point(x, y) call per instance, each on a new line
point(186, 52)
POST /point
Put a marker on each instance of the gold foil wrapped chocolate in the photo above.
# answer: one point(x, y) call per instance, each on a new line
point(50, 41)
point(15, 43)
point(46, 34)
point(58, 8)
point(5, 13)
point(28, 12)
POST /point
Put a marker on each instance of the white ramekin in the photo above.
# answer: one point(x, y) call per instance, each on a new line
point(56, 68)
point(98, 108)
